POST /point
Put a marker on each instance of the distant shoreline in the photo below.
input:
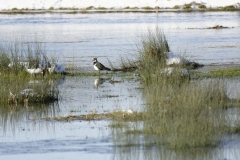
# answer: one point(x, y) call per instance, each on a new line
point(83, 11)
point(123, 8)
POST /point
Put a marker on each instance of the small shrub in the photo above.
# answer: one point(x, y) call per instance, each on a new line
point(176, 7)
point(51, 8)
point(202, 6)
point(101, 8)
point(229, 8)
point(73, 8)
point(187, 6)
point(134, 8)
point(61, 8)
point(147, 8)
point(90, 8)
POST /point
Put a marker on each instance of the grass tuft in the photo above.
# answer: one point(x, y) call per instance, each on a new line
point(19, 87)
point(179, 112)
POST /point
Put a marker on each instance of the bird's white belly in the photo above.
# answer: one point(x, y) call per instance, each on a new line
point(96, 68)
point(34, 71)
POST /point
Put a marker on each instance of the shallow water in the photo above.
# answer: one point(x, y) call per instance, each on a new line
point(83, 96)
point(77, 38)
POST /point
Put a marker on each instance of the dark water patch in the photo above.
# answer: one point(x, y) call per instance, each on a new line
point(55, 42)
point(88, 145)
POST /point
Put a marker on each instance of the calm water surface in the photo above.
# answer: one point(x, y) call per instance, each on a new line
point(77, 38)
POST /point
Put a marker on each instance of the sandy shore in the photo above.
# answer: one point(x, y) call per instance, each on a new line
point(83, 11)
point(116, 5)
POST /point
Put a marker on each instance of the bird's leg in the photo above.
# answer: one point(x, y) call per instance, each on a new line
point(43, 75)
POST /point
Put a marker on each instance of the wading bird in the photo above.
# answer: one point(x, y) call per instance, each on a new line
point(57, 68)
point(35, 71)
point(99, 66)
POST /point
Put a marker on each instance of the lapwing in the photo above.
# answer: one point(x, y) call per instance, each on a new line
point(99, 66)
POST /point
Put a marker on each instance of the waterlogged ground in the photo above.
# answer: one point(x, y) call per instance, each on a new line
point(57, 140)
point(81, 95)
point(25, 132)
point(76, 39)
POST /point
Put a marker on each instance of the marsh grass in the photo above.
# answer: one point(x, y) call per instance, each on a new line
point(179, 112)
point(187, 115)
point(102, 8)
point(121, 116)
point(25, 89)
point(90, 8)
point(176, 7)
point(231, 72)
point(202, 6)
point(16, 88)
point(152, 55)
point(229, 8)
point(147, 8)
point(125, 65)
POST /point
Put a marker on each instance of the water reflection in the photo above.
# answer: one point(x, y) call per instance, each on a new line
point(153, 152)
point(99, 81)
point(10, 117)
point(138, 145)
point(14, 113)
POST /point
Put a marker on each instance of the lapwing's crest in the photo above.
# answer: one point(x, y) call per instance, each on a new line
point(99, 66)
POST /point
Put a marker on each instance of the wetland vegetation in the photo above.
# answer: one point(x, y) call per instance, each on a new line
point(193, 6)
point(180, 112)
point(18, 87)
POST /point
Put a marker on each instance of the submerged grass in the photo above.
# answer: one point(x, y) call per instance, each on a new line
point(179, 112)
point(231, 72)
point(116, 115)
point(186, 115)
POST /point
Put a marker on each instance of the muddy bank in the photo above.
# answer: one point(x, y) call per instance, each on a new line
point(217, 66)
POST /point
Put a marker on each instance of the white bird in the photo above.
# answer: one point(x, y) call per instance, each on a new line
point(57, 68)
point(35, 71)
point(27, 92)
point(171, 70)
point(23, 64)
point(129, 111)
point(173, 58)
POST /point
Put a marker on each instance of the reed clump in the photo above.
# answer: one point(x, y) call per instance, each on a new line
point(179, 112)
point(187, 115)
point(17, 85)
